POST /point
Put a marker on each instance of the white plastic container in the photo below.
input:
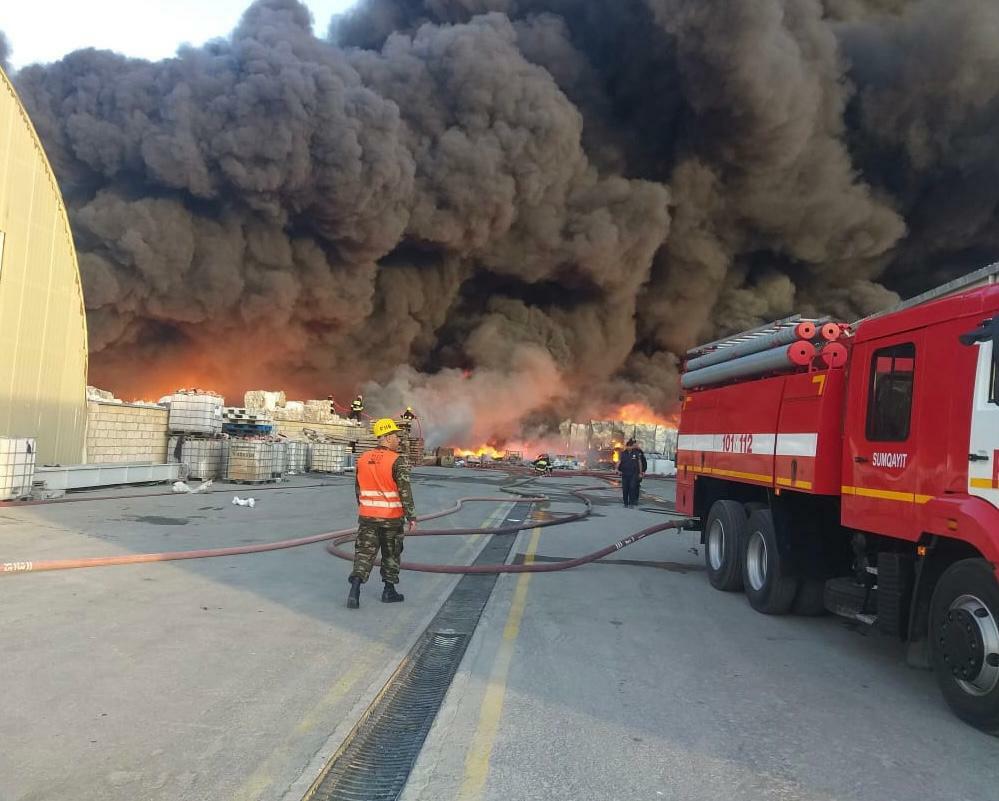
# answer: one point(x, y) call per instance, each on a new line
point(296, 457)
point(252, 460)
point(327, 457)
point(195, 414)
point(17, 467)
point(203, 457)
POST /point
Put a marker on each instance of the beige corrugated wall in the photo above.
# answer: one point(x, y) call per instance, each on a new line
point(43, 329)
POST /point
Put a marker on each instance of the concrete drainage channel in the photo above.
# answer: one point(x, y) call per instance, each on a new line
point(375, 760)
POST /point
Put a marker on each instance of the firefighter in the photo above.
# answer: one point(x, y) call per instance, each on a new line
point(543, 464)
point(385, 510)
point(357, 408)
point(632, 467)
point(409, 414)
point(332, 404)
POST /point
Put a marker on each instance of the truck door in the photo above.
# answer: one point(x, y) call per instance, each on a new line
point(983, 449)
point(879, 466)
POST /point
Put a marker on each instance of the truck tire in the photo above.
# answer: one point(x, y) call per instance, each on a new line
point(767, 574)
point(810, 600)
point(724, 531)
point(964, 642)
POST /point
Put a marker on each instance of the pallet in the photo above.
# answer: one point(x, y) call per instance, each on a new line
point(246, 428)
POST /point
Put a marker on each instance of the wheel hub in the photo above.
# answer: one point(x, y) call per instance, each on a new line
point(969, 645)
point(756, 561)
point(716, 544)
point(961, 644)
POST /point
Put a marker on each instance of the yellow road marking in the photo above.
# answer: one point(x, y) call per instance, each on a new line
point(480, 752)
point(263, 777)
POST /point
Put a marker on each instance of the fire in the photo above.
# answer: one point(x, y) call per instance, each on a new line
point(482, 450)
point(640, 414)
point(616, 457)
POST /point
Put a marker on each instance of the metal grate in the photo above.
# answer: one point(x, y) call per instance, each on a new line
point(375, 761)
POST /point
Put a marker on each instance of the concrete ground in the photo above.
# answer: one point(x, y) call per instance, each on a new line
point(626, 681)
point(236, 678)
point(217, 679)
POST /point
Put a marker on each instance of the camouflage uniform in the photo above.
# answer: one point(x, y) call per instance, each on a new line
point(375, 533)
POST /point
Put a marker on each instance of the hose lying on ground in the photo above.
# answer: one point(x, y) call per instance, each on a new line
point(342, 536)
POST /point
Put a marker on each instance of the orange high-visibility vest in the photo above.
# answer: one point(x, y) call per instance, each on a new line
point(379, 492)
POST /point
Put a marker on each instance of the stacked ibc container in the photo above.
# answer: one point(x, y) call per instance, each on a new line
point(327, 457)
point(254, 460)
point(202, 455)
point(195, 425)
point(195, 412)
point(17, 467)
point(296, 457)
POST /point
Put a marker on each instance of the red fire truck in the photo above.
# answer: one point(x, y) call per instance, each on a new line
point(855, 469)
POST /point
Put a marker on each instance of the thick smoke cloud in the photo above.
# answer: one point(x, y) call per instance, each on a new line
point(4, 52)
point(511, 211)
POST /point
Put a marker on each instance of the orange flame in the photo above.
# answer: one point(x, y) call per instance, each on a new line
point(640, 414)
point(482, 450)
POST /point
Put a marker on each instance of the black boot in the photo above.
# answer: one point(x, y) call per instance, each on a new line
point(390, 596)
point(354, 597)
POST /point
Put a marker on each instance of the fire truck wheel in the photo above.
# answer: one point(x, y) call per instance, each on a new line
point(810, 600)
point(725, 530)
point(766, 573)
point(964, 640)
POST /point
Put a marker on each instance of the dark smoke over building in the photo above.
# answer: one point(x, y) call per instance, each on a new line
point(531, 205)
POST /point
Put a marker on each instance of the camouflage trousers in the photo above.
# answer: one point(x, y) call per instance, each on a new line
point(374, 534)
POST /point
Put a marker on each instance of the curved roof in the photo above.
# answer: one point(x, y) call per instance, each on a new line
point(43, 330)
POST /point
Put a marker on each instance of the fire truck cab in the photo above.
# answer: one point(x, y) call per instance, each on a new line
point(866, 486)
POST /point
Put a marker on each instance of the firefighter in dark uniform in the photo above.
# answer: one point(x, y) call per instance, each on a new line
point(543, 464)
point(385, 510)
point(632, 467)
point(409, 414)
point(357, 408)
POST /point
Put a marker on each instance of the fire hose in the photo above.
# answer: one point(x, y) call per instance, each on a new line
point(340, 537)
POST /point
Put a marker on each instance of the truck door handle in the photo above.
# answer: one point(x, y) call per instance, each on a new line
point(977, 457)
point(860, 459)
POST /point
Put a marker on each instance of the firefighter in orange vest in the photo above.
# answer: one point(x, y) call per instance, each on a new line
point(385, 510)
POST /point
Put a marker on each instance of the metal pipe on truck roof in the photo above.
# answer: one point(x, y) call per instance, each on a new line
point(785, 336)
point(830, 332)
point(797, 354)
point(833, 354)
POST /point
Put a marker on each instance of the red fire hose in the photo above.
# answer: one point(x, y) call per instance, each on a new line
point(342, 536)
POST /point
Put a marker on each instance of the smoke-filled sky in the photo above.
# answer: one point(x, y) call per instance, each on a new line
point(508, 212)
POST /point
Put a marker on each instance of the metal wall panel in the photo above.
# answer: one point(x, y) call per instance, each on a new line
point(43, 330)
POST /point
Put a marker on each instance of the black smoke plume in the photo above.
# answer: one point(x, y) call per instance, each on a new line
point(512, 210)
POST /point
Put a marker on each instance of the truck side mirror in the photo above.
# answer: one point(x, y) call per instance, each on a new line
point(988, 330)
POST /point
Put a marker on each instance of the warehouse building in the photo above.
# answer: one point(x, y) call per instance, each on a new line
point(43, 332)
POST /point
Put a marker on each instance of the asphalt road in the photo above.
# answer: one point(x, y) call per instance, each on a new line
point(236, 678)
point(628, 681)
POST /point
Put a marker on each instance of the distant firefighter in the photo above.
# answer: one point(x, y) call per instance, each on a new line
point(357, 408)
point(409, 414)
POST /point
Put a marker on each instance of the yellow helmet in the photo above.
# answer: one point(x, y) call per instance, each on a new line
point(383, 427)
